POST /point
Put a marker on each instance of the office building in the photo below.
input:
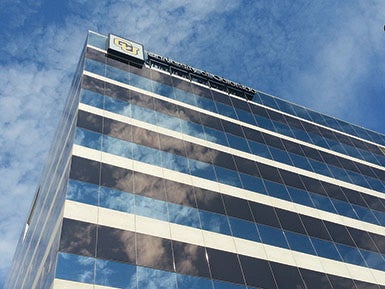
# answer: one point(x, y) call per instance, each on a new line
point(167, 176)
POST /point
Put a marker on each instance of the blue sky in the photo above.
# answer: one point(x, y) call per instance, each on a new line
point(326, 55)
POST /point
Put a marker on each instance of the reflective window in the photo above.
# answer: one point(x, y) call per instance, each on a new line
point(150, 278)
point(350, 254)
point(287, 277)
point(272, 236)
point(78, 237)
point(190, 282)
point(117, 200)
point(75, 268)
point(237, 207)
point(115, 244)
point(227, 285)
point(152, 208)
point(257, 272)
point(154, 252)
point(82, 192)
point(85, 170)
point(244, 229)
point(214, 222)
point(91, 98)
point(224, 266)
point(190, 259)
point(115, 274)
point(299, 242)
point(325, 249)
point(183, 215)
point(88, 138)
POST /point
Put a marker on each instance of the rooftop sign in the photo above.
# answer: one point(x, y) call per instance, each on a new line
point(201, 76)
point(126, 49)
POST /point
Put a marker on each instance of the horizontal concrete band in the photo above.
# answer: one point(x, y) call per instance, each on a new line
point(130, 222)
point(66, 284)
point(198, 109)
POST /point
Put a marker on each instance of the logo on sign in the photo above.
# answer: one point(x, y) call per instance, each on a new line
point(126, 46)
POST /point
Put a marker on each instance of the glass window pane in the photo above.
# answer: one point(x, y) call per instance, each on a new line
point(151, 278)
point(115, 244)
point(287, 277)
point(214, 222)
point(82, 192)
point(244, 229)
point(272, 236)
point(75, 268)
point(224, 266)
point(190, 282)
point(116, 200)
point(257, 272)
point(299, 242)
point(325, 249)
point(152, 208)
point(78, 237)
point(183, 215)
point(190, 259)
point(154, 252)
point(115, 274)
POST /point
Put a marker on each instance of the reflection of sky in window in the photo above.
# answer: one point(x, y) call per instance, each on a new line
point(183, 215)
point(82, 192)
point(115, 274)
point(206, 170)
point(226, 285)
point(190, 282)
point(152, 208)
point(116, 200)
point(156, 279)
point(214, 222)
point(75, 268)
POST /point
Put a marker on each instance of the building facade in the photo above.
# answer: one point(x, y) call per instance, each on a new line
point(166, 176)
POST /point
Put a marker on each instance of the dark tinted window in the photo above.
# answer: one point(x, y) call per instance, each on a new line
point(264, 214)
point(154, 252)
point(210, 201)
point(190, 259)
point(115, 244)
point(287, 277)
point(78, 237)
point(224, 266)
point(117, 178)
point(237, 208)
point(89, 121)
point(290, 221)
point(85, 170)
point(315, 227)
point(315, 280)
point(257, 272)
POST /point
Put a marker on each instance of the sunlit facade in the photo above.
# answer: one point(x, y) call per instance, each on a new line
point(165, 176)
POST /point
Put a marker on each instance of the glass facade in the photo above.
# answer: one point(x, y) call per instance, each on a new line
point(163, 178)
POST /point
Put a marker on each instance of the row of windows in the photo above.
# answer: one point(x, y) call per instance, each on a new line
point(177, 118)
point(274, 228)
point(235, 108)
point(174, 202)
point(213, 172)
point(281, 105)
point(176, 151)
point(325, 120)
point(115, 249)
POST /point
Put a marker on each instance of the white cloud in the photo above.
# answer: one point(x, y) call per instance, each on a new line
point(316, 53)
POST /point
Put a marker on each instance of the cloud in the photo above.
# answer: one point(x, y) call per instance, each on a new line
point(313, 53)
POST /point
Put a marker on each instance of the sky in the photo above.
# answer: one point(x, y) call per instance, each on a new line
point(326, 55)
